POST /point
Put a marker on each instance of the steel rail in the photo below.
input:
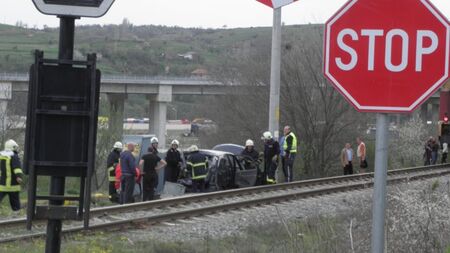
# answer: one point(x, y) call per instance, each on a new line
point(188, 213)
point(229, 193)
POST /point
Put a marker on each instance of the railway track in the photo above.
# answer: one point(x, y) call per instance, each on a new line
point(185, 207)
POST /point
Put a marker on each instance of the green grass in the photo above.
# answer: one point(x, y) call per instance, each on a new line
point(116, 44)
point(315, 235)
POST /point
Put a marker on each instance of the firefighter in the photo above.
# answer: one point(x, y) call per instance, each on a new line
point(197, 165)
point(111, 163)
point(154, 144)
point(290, 151)
point(250, 151)
point(174, 162)
point(271, 157)
point(10, 174)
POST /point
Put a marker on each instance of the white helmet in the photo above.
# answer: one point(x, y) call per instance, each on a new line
point(175, 142)
point(11, 145)
point(267, 135)
point(193, 148)
point(249, 143)
point(118, 145)
point(153, 140)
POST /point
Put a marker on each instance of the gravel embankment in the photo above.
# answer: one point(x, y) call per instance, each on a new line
point(236, 222)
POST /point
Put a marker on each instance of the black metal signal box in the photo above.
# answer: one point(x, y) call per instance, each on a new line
point(61, 131)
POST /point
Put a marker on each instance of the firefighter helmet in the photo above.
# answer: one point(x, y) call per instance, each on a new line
point(11, 145)
point(154, 140)
point(267, 135)
point(249, 143)
point(118, 145)
point(193, 148)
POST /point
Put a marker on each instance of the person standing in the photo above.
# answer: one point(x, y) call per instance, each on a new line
point(346, 159)
point(444, 152)
point(150, 164)
point(271, 157)
point(197, 165)
point(111, 163)
point(361, 154)
point(434, 151)
point(10, 174)
point(427, 153)
point(174, 162)
point(128, 169)
point(290, 150)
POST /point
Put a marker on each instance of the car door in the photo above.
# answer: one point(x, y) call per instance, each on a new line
point(245, 176)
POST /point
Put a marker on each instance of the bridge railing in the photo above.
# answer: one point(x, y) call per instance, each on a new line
point(15, 76)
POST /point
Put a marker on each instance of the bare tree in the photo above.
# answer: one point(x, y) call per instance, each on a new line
point(323, 119)
point(407, 143)
point(318, 114)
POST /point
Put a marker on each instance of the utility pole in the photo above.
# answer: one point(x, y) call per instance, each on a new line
point(275, 73)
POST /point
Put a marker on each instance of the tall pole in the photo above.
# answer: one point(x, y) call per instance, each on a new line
point(379, 192)
point(57, 184)
point(274, 105)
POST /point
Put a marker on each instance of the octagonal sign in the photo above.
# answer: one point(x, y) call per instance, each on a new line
point(387, 56)
point(276, 3)
point(78, 8)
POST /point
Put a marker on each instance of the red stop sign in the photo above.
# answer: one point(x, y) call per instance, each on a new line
point(387, 56)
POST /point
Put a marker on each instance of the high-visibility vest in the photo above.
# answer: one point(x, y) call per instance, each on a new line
point(112, 173)
point(8, 182)
point(199, 170)
point(294, 143)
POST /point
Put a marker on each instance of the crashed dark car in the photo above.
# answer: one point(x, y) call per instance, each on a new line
point(228, 171)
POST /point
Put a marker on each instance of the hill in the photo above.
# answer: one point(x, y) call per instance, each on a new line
point(132, 50)
point(137, 50)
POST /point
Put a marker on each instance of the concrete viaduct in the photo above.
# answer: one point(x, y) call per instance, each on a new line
point(159, 91)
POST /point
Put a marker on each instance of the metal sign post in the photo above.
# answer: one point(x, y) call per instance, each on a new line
point(275, 65)
point(398, 79)
point(274, 104)
point(379, 191)
point(57, 184)
point(62, 111)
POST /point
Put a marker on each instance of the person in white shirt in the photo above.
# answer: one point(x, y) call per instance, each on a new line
point(346, 159)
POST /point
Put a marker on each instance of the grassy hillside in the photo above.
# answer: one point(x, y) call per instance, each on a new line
point(132, 50)
point(138, 50)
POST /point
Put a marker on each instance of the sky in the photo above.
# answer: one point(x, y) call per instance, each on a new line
point(189, 13)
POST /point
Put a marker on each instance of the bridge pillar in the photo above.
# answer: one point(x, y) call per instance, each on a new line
point(424, 112)
point(115, 122)
point(158, 113)
point(435, 112)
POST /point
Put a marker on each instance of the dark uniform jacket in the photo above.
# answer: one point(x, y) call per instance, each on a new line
point(113, 158)
point(197, 165)
point(271, 149)
point(252, 154)
point(111, 163)
point(10, 170)
point(173, 158)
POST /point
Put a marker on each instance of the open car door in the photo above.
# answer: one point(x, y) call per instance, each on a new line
point(246, 171)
